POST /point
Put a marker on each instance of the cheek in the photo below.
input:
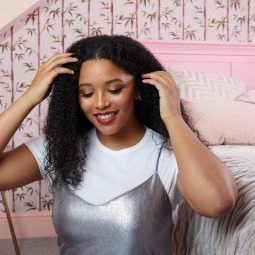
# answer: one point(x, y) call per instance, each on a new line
point(127, 98)
point(85, 105)
point(127, 104)
point(124, 103)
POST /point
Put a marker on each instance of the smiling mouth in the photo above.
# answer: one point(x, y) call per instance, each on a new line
point(105, 118)
point(105, 113)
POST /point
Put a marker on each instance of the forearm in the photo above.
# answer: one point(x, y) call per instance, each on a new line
point(203, 179)
point(12, 117)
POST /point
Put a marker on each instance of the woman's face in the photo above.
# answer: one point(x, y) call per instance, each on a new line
point(106, 96)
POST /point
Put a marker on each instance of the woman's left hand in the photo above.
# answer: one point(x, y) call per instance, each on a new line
point(169, 92)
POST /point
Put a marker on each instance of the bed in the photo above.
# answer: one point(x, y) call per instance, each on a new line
point(234, 233)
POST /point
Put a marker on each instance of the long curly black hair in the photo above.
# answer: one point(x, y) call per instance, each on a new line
point(66, 125)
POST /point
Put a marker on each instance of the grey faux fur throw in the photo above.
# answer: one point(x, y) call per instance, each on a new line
point(233, 234)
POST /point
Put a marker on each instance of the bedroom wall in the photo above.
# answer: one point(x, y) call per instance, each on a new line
point(8, 15)
point(55, 24)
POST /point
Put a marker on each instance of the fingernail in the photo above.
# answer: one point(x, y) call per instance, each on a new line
point(75, 59)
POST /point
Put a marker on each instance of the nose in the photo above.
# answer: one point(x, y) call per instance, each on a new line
point(102, 101)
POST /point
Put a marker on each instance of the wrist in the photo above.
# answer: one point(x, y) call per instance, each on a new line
point(172, 116)
point(29, 98)
point(173, 122)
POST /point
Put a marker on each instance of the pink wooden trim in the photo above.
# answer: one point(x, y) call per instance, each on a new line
point(196, 43)
point(28, 225)
point(232, 59)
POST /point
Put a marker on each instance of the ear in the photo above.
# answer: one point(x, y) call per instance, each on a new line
point(137, 92)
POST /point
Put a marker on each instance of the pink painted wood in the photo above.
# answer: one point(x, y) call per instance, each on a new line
point(232, 59)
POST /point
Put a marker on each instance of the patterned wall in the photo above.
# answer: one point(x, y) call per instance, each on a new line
point(55, 24)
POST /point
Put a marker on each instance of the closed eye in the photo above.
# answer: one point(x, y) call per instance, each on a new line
point(86, 95)
point(115, 91)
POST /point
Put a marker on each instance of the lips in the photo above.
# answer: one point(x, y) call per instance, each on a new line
point(104, 113)
point(106, 119)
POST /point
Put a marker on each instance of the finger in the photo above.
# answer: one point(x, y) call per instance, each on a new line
point(153, 82)
point(60, 61)
point(59, 55)
point(157, 78)
point(164, 77)
point(170, 77)
point(162, 74)
point(56, 56)
point(60, 70)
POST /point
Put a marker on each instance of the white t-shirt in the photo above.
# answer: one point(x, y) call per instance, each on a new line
point(110, 173)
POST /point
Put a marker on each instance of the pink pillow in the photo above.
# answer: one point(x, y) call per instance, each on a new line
point(222, 121)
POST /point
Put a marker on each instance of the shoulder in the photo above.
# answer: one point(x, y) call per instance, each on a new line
point(157, 141)
point(37, 143)
point(37, 146)
point(168, 167)
point(163, 148)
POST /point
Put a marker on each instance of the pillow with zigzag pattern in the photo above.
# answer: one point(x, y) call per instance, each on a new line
point(202, 85)
point(247, 97)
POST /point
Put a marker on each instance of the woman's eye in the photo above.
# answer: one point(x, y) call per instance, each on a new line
point(115, 91)
point(86, 95)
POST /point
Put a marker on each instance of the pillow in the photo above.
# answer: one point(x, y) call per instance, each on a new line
point(206, 85)
point(222, 121)
point(248, 96)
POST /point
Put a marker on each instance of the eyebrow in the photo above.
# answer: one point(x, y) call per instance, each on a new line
point(107, 82)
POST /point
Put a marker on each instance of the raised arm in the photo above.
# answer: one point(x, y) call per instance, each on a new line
point(203, 179)
point(18, 167)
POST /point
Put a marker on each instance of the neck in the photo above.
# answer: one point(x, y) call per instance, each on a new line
point(126, 137)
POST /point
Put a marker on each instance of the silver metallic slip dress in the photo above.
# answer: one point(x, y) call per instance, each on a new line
point(137, 222)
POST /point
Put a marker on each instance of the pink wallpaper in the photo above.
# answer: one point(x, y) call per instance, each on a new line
point(55, 24)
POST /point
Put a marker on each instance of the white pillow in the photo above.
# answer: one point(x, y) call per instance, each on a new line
point(196, 85)
point(247, 97)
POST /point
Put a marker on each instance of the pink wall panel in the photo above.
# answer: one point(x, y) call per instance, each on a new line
point(245, 72)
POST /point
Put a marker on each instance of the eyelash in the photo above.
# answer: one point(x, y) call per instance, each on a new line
point(116, 91)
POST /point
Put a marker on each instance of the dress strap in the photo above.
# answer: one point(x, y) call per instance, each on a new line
point(159, 156)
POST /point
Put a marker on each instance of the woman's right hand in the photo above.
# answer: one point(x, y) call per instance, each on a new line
point(41, 85)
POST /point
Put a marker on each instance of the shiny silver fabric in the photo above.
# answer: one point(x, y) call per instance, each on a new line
point(138, 222)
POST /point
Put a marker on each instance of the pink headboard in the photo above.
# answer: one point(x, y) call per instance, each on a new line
point(232, 59)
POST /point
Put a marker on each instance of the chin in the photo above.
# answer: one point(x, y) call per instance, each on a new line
point(108, 130)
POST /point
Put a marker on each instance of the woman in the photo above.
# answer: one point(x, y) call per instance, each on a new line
point(117, 148)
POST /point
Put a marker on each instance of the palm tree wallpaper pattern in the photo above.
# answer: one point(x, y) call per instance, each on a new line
point(55, 24)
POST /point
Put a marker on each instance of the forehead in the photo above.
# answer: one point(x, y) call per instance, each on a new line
point(101, 69)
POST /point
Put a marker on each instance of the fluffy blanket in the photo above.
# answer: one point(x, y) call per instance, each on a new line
point(233, 234)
